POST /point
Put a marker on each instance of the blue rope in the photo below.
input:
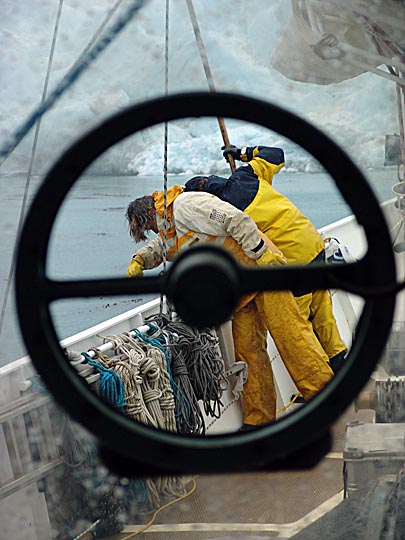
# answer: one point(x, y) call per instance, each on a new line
point(111, 386)
point(138, 489)
point(156, 342)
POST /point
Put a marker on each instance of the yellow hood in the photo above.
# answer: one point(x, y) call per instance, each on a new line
point(171, 195)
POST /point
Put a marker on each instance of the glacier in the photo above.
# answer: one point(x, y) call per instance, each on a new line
point(239, 37)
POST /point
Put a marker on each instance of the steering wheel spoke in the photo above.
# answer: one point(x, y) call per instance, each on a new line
point(301, 278)
point(55, 290)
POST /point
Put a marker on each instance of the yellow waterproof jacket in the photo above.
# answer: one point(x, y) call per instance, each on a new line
point(279, 218)
point(250, 189)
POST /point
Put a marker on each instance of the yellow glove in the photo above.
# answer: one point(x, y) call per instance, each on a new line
point(271, 258)
point(136, 267)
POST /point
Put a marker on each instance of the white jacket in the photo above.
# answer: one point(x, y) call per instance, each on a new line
point(200, 218)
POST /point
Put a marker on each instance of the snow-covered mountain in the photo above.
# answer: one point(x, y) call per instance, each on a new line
point(239, 37)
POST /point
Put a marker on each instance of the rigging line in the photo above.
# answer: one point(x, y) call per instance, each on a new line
point(30, 168)
point(72, 76)
point(36, 135)
point(208, 74)
point(96, 35)
point(87, 530)
point(165, 154)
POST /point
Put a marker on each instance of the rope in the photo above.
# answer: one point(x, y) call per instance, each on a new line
point(282, 409)
point(208, 74)
point(151, 521)
point(96, 34)
point(196, 369)
point(158, 378)
point(142, 368)
point(189, 417)
point(111, 386)
point(72, 75)
point(179, 347)
point(88, 529)
point(141, 363)
point(165, 224)
point(205, 366)
point(182, 390)
point(166, 372)
point(30, 167)
point(134, 355)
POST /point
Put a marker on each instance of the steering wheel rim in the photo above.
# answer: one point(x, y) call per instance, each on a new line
point(35, 292)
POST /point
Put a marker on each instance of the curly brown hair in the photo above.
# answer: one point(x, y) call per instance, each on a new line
point(138, 216)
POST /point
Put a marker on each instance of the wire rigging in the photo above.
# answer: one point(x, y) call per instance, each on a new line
point(84, 60)
point(30, 167)
point(165, 224)
point(71, 77)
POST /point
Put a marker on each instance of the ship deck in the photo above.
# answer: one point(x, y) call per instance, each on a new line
point(254, 504)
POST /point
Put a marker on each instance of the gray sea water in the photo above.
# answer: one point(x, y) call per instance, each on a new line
point(90, 238)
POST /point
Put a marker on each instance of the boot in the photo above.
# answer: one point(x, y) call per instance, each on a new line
point(337, 361)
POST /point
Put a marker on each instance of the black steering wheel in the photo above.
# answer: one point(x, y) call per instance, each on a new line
point(144, 446)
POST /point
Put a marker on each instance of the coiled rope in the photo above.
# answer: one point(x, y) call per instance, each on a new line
point(141, 366)
point(200, 354)
point(142, 370)
point(111, 386)
point(167, 377)
point(189, 417)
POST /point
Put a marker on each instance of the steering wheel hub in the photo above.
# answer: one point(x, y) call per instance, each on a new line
point(203, 285)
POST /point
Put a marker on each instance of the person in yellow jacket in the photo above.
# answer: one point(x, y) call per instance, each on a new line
point(250, 190)
point(197, 218)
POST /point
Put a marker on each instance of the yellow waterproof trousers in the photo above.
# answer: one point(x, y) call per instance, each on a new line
point(299, 242)
point(301, 352)
point(316, 308)
point(250, 344)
